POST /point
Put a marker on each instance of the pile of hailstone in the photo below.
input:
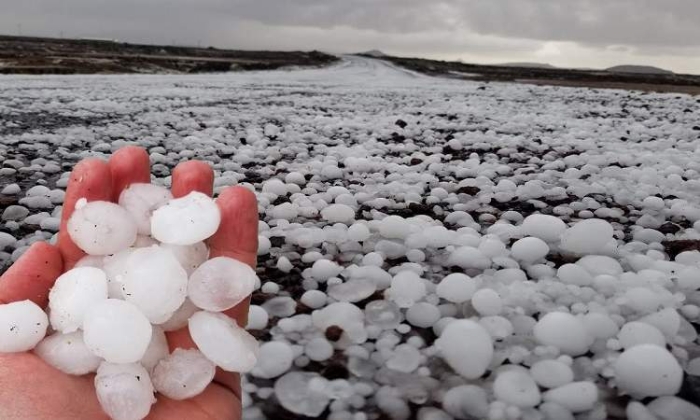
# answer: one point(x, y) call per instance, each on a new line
point(147, 272)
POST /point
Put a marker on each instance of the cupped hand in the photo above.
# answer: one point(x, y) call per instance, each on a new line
point(32, 389)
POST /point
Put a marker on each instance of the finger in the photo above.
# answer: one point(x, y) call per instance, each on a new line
point(90, 179)
point(32, 276)
point(191, 176)
point(128, 165)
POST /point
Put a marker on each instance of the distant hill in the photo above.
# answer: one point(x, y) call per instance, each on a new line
point(374, 53)
point(529, 65)
point(628, 68)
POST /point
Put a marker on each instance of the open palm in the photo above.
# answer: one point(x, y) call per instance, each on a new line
point(32, 389)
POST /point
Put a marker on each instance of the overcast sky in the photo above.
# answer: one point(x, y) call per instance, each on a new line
point(568, 33)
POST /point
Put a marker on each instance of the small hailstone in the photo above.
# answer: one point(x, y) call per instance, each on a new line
point(358, 232)
point(68, 353)
point(322, 270)
point(529, 249)
point(154, 282)
point(101, 227)
point(648, 370)
point(466, 401)
point(456, 288)
point(157, 349)
point(189, 256)
point(347, 316)
point(125, 391)
point(72, 296)
point(517, 387)
point(468, 257)
point(283, 264)
point(220, 284)
point(187, 220)
point(22, 325)
point(180, 317)
point(574, 274)
point(274, 359)
point(183, 374)
point(673, 408)
point(295, 393)
point(270, 288)
point(257, 318)
point(264, 245)
point(564, 331)
point(576, 397)
point(406, 289)
point(223, 342)
point(318, 349)
point(352, 291)
point(467, 347)
point(338, 213)
point(423, 315)
point(551, 373)
point(635, 333)
point(116, 331)
point(383, 314)
point(487, 302)
point(405, 358)
point(547, 228)
point(587, 237)
point(314, 299)
point(141, 200)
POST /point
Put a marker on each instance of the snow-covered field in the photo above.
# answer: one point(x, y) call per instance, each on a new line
point(397, 208)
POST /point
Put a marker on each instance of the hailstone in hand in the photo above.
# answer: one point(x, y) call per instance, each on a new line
point(183, 374)
point(101, 227)
point(73, 294)
point(221, 283)
point(124, 391)
point(141, 200)
point(68, 353)
point(187, 220)
point(22, 325)
point(223, 342)
point(116, 331)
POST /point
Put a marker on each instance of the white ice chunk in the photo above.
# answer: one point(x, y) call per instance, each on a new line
point(72, 296)
point(223, 342)
point(563, 331)
point(22, 325)
point(116, 331)
point(68, 353)
point(187, 220)
point(220, 284)
point(274, 359)
point(141, 200)
point(648, 370)
point(467, 347)
point(101, 227)
point(183, 374)
point(125, 391)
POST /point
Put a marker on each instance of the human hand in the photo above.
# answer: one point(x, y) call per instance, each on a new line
point(32, 389)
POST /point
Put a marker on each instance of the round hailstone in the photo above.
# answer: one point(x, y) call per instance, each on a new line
point(223, 342)
point(141, 200)
point(322, 270)
point(187, 220)
point(576, 397)
point(551, 373)
point(466, 401)
point(469, 257)
point(115, 268)
point(358, 232)
point(154, 282)
point(190, 257)
point(220, 284)
point(648, 370)
point(529, 249)
point(157, 349)
point(183, 374)
point(673, 408)
point(563, 331)
point(101, 227)
point(487, 302)
point(73, 294)
point(68, 353)
point(180, 317)
point(405, 358)
point(587, 237)
point(318, 349)
point(295, 393)
point(467, 348)
point(456, 288)
point(125, 391)
point(338, 213)
point(116, 331)
point(517, 387)
point(635, 333)
point(22, 325)
point(547, 228)
point(423, 315)
point(347, 316)
point(406, 288)
point(353, 290)
point(574, 274)
point(274, 359)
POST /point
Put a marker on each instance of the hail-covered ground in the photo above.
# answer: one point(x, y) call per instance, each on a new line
point(429, 249)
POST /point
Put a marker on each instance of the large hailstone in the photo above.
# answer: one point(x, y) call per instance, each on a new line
point(295, 393)
point(183, 374)
point(101, 227)
point(189, 256)
point(467, 347)
point(141, 200)
point(220, 284)
point(187, 220)
point(563, 331)
point(116, 331)
point(68, 353)
point(648, 370)
point(73, 294)
point(517, 387)
point(223, 342)
point(154, 282)
point(22, 325)
point(124, 391)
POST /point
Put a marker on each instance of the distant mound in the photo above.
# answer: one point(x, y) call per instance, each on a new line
point(638, 69)
point(374, 53)
point(529, 65)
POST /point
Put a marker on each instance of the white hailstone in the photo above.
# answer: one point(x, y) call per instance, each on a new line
point(264, 245)
point(406, 289)
point(220, 284)
point(600, 264)
point(456, 288)
point(295, 393)
point(314, 299)
point(563, 331)
point(22, 325)
point(183, 374)
point(223, 342)
point(180, 317)
point(668, 321)
point(653, 203)
point(318, 349)
point(673, 408)
point(115, 269)
point(648, 370)
point(551, 373)
point(638, 411)
point(468, 257)
point(574, 274)
point(600, 325)
point(587, 237)
point(352, 291)
point(141, 200)
point(274, 359)
point(11, 189)
point(322, 270)
point(466, 401)
point(423, 315)
point(405, 358)
point(358, 232)
point(101, 227)
point(125, 391)
point(492, 247)
point(116, 331)
point(338, 213)
point(642, 299)
point(187, 220)
point(467, 347)
point(373, 259)
point(68, 353)
point(157, 349)
point(72, 296)
point(283, 264)
point(383, 314)
point(689, 278)
point(576, 397)
point(635, 333)
point(487, 302)
point(394, 227)
point(529, 249)
point(154, 282)
point(257, 318)
point(274, 186)
point(547, 228)
point(189, 256)
point(516, 387)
